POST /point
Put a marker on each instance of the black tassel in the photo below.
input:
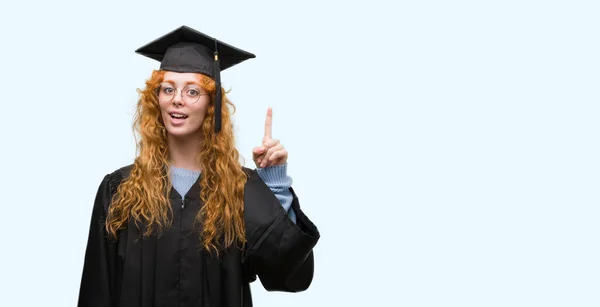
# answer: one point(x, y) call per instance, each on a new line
point(218, 97)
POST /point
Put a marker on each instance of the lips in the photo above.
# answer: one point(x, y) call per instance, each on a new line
point(178, 115)
point(178, 119)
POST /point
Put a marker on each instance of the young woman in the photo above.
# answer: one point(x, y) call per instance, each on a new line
point(186, 224)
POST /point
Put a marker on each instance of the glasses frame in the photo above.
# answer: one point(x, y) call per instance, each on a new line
point(177, 91)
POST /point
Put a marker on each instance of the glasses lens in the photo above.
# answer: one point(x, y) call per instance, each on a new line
point(166, 93)
point(191, 94)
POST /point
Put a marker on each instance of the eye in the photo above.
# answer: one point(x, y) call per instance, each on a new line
point(193, 92)
point(168, 90)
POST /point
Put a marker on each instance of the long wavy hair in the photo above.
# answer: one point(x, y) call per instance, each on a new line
point(143, 196)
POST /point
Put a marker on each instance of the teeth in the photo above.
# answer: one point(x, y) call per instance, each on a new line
point(178, 115)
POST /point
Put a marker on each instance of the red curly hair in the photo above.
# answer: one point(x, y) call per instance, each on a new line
point(143, 195)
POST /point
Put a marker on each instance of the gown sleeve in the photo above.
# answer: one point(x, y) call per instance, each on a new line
point(95, 287)
point(280, 251)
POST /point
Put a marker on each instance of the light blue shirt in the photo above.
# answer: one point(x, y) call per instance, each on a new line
point(275, 177)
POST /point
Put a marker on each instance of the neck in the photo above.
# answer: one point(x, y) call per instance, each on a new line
point(184, 152)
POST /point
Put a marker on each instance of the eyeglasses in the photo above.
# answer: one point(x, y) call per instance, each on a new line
point(189, 94)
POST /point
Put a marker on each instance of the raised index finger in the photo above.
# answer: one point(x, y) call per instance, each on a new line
point(269, 124)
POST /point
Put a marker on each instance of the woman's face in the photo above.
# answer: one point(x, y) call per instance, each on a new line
point(183, 103)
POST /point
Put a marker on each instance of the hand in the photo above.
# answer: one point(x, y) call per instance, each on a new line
point(271, 152)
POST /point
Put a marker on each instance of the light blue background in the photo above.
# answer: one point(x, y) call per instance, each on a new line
point(448, 150)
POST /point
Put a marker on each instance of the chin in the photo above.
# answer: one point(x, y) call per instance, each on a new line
point(182, 131)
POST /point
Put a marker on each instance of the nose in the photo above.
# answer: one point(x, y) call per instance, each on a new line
point(178, 98)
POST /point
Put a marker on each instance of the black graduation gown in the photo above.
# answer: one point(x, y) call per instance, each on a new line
point(171, 270)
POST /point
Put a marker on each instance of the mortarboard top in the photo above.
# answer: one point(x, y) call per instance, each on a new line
point(187, 50)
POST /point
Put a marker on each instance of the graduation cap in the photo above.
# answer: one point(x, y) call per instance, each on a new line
point(187, 50)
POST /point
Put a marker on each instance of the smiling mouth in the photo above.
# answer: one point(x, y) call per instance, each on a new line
point(178, 116)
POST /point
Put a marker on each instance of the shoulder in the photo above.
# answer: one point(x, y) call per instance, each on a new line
point(248, 171)
point(253, 179)
point(114, 178)
point(122, 171)
point(108, 188)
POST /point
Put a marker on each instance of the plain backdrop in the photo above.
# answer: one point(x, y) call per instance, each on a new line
point(447, 150)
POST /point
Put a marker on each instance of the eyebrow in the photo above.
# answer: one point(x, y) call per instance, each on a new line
point(187, 83)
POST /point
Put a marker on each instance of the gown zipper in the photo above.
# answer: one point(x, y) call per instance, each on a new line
point(181, 234)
